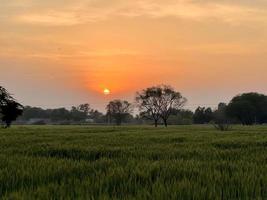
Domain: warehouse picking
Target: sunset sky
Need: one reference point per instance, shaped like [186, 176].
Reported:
[57, 53]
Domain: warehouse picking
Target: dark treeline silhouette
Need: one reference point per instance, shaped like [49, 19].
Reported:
[157, 105]
[80, 114]
[247, 109]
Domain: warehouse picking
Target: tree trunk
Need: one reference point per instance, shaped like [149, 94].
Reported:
[118, 121]
[156, 123]
[165, 122]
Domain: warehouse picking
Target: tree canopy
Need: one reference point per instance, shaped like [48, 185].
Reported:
[158, 102]
[118, 110]
[249, 108]
[10, 109]
[203, 115]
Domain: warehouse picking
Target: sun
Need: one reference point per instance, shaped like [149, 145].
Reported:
[106, 91]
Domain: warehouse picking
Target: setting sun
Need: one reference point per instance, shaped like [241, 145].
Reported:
[106, 91]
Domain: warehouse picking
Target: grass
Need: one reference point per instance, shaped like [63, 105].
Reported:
[180, 162]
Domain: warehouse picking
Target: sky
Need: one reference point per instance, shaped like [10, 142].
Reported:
[59, 53]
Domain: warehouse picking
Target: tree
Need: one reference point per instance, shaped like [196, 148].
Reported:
[77, 115]
[148, 101]
[170, 100]
[4, 96]
[9, 108]
[59, 114]
[34, 112]
[85, 108]
[157, 103]
[80, 113]
[10, 112]
[220, 119]
[203, 115]
[97, 116]
[118, 110]
[249, 108]
[181, 117]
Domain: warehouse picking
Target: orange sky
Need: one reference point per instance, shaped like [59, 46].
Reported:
[62, 53]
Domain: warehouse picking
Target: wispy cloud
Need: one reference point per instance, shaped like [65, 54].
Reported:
[85, 11]
[51, 18]
[203, 11]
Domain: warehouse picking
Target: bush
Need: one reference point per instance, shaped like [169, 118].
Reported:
[222, 126]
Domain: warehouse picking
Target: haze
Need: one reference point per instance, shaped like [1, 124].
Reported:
[62, 53]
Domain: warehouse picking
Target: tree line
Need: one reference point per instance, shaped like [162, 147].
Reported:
[76, 114]
[158, 105]
[245, 109]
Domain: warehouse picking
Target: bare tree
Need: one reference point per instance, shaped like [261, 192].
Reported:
[157, 102]
[118, 110]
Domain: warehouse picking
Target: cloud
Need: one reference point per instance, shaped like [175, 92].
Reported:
[51, 18]
[194, 11]
[86, 11]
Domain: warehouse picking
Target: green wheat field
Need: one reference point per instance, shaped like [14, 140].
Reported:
[133, 162]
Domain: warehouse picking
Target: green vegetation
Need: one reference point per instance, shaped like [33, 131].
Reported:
[181, 162]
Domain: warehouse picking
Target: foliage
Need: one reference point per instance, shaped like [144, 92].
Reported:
[10, 112]
[34, 112]
[86, 162]
[160, 104]
[118, 110]
[58, 115]
[77, 115]
[97, 116]
[157, 102]
[9, 108]
[249, 108]
[203, 115]
[220, 119]
[181, 117]
[84, 108]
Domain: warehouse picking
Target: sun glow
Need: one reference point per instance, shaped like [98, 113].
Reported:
[106, 91]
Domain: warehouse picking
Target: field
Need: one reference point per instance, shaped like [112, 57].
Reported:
[180, 162]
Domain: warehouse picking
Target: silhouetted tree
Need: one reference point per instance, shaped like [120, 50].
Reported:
[221, 121]
[148, 101]
[4, 96]
[157, 103]
[85, 108]
[59, 114]
[181, 117]
[34, 112]
[118, 110]
[97, 116]
[10, 112]
[80, 113]
[77, 115]
[170, 99]
[202, 115]
[9, 108]
[249, 108]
